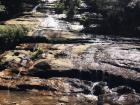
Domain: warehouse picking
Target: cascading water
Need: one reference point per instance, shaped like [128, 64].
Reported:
[34, 10]
[83, 79]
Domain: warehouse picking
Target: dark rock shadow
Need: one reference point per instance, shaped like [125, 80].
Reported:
[89, 75]
[30, 87]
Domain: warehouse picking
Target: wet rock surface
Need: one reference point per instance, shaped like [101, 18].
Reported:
[105, 72]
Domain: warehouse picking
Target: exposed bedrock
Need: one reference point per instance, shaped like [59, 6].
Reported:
[116, 64]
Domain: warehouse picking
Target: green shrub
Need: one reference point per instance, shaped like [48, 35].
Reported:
[11, 31]
[37, 53]
[69, 6]
[10, 35]
[119, 15]
[72, 6]
[60, 7]
[14, 8]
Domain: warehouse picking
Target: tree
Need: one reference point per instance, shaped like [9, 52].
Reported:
[15, 7]
[119, 15]
[72, 6]
[2, 7]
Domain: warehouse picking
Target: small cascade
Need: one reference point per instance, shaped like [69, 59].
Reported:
[35, 8]
[9, 84]
[68, 70]
[92, 87]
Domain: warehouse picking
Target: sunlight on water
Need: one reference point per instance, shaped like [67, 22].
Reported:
[50, 22]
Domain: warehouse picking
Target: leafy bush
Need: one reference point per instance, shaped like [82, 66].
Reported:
[10, 35]
[60, 7]
[70, 6]
[12, 31]
[119, 15]
[14, 8]
[37, 53]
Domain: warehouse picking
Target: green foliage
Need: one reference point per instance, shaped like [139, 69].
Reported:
[36, 54]
[60, 7]
[14, 8]
[10, 35]
[119, 14]
[12, 31]
[70, 6]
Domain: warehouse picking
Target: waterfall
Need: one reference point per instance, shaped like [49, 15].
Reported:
[35, 8]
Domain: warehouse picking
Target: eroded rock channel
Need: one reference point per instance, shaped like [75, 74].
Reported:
[104, 72]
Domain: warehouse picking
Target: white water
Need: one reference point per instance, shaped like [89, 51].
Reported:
[50, 22]
[51, 1]
[35, 8]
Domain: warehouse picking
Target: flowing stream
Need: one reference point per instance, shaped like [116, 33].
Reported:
[75, 74]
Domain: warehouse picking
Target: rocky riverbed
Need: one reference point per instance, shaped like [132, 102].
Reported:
[104, 72]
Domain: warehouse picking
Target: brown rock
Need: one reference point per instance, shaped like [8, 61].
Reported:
[64, 99]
